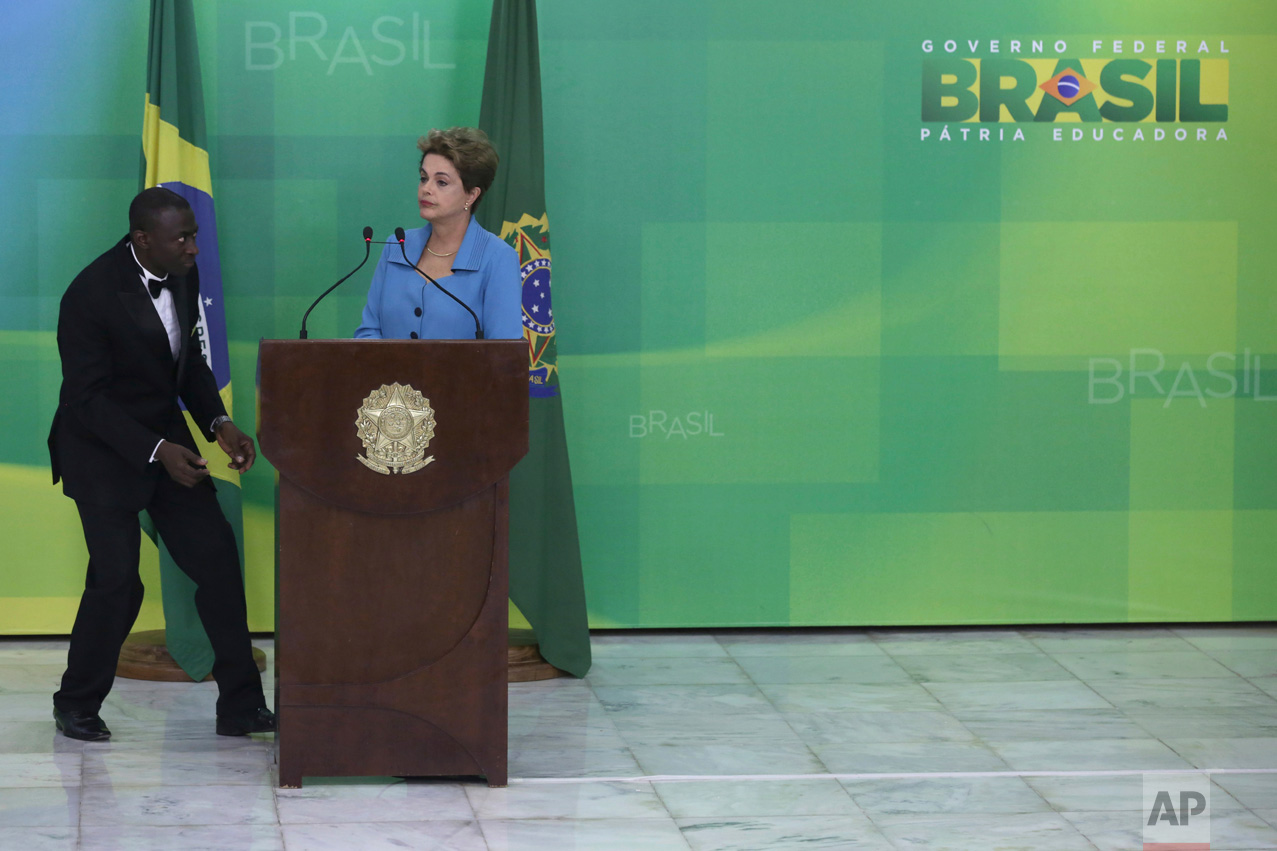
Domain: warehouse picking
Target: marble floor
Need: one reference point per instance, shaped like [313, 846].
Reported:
[708, 741]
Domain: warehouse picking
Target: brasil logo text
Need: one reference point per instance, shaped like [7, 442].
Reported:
[1166, 91]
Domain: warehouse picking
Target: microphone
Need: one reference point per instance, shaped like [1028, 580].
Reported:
[478, 330]
[367, 251]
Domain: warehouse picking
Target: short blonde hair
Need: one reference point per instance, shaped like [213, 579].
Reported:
[469, 151]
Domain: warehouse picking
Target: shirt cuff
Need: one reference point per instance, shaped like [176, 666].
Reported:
[153, 451]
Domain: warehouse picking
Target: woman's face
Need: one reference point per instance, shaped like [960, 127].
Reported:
[440, 193]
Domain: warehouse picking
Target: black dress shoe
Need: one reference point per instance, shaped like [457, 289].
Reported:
[258, 721]
[85, 726]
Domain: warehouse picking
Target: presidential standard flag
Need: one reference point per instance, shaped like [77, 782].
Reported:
[545, 555]
[175, 156]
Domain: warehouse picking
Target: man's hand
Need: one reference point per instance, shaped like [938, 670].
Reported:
[183, 466]
[237, 445]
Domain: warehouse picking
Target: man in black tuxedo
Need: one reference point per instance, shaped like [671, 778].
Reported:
[120, 444]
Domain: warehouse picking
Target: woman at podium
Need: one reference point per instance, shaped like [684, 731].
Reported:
[479, 283]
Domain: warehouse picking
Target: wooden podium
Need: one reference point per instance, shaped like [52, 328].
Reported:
[392, 585]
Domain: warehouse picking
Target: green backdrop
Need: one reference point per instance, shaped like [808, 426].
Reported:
[823, 361]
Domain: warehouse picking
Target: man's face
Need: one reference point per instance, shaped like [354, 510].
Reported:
[169, 246]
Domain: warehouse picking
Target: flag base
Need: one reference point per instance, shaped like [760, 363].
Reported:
[524, 662]
[144, 656]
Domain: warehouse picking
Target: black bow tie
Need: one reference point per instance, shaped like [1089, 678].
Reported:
[155, 286]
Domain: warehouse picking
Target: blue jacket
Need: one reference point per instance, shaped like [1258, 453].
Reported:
[485, 275]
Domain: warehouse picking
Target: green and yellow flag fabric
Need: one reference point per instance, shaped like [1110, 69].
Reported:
[545, 554]
[175, 156]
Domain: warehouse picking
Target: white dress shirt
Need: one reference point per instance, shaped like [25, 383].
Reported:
[168, 315]
[163, 306]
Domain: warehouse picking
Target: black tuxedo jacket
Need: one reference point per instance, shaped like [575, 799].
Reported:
[121, 385]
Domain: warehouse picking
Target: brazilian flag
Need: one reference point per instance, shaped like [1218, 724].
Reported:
[175, 156]
[545, 554]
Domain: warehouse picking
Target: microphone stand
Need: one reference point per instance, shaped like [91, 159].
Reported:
[367, 251]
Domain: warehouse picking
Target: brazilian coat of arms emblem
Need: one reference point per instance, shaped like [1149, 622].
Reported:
[530, 238]
[396, 424]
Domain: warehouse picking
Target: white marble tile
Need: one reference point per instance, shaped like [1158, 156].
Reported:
[1227, 753]
[667, 649]
[1248, 663]
[783, 756]
[1220, 722]
[175, 765]
[40, 806]
[672, 728]
[1252, 639]
[832, 728]
[127, 732]
[959, 698]
[27, 706]
[1227, 629]
[162, 701]
[14, 653]
[40, 769]
[1114, 632]
[1157, 694]
[567, 726]
[586, 762]
[824, 669]
[344, 803]
[575, 697]
[805, 642]
[556, 706]
[969, 832]
[1089, 641]
[1095, 755]
[567, 801]
[1156, 665]
[783, 833]
[40, 838]
[18, 643]
[385, 836]
[847, 697]
[1120, 831]
[970, 795]
[1257, 791]
[1241, 829]
[32, 737]
[683, 699]
[177, 805]
[702, 799]
[646, 643]
[1266, 684]
[954, 642]
[219, 837]
[1106, 793]
[902, 757]
[1052, 725]
[27, 677]
[987, 668]
[561, 736]
[647, 834]
[1269, 816]
[666, 671]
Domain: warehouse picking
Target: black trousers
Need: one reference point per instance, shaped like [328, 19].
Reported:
[203, 545]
